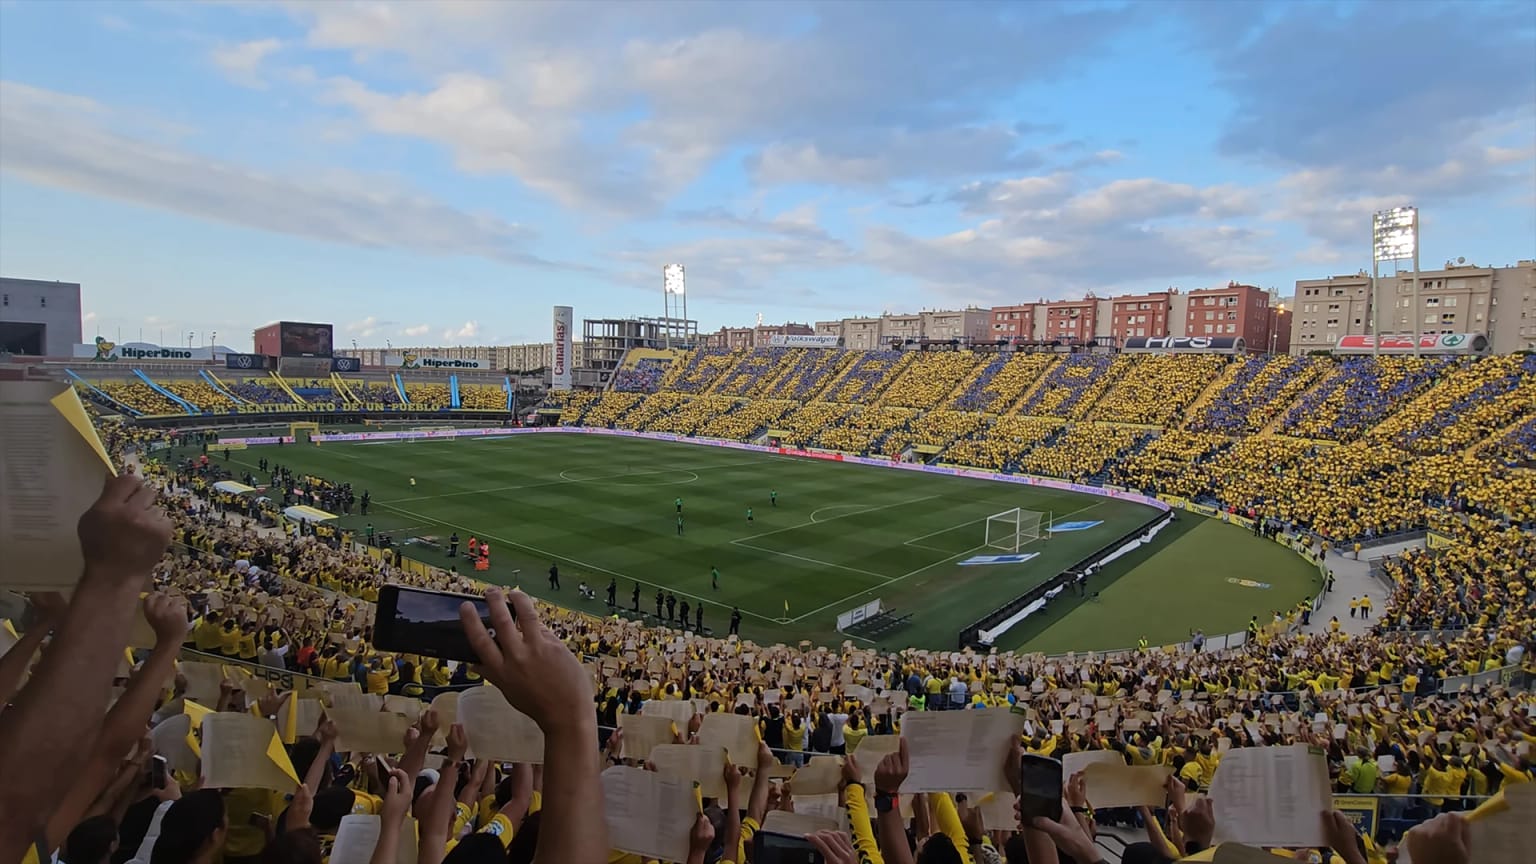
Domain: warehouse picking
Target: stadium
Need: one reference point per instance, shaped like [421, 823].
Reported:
[470, 557]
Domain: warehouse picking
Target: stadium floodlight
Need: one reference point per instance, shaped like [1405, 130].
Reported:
[674, 297]
[1394, 237]
[1012, 529]
[1395, 234]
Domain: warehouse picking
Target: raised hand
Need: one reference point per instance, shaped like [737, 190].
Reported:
[167, 616]
[458, 743]
[892, 770]
[303, 804]
[535, 671]
[125, 533]
[834, 846]
[1445, 839]
[1341, 836]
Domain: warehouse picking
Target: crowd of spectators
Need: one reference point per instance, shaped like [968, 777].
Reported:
[1002, 382]
[1158, 389]
[1083, 451]
[867, 376]
[611, 406]
[1465, 408]
[1517, 448]
[650, 409]
[806, 421]
[1072, 382]
[139, 397]
[200, 393]
[248, 599]
[868, 429]
[747, 419]
[260, 391]
[1360, 392]
[1256, 389]
[1000, 445]
[703, 368]
[939, 427]
[482, 397]
[930, 378]
[756, 371]
[643, 377]
[808, 372]
[430, 395]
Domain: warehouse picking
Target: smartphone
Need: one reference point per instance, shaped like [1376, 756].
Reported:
[418, 621]
[770, 848]
[1039, 787]
[157, 772]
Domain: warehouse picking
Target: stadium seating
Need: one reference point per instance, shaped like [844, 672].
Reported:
[804, 423]
[938, 428]
[755, 371]
[1083, 452]
[428, 395]
[807, 373]
[1466, 407]
[871, 429]
[691, 415]
[140, 397]
[1517, 447]
[1157, 389]
[650, 409]
[999, 446]
[867, 376]
[930, 378]
[310, 611]
[1255, 390]
[574, 405]
[644, 377]
[199, 393]
[1360, 392]
[610, 407]
[747, 419]
[703, 368]
[259, 391]
[1072, 383]
[1002, 381]
[482, 397]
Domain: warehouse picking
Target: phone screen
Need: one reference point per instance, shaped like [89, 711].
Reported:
[157, 772]
[1039, 787]
[770, 848]
[416, 621]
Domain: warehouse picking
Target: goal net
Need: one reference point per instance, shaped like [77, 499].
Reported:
[1012, 529]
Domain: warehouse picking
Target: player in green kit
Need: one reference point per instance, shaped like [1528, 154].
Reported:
[679, 524]
[714, 577]
[773, 498]
[749, 514]
[679, 503]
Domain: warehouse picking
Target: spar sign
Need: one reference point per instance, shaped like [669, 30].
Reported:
[560, 371]
[1439, 343]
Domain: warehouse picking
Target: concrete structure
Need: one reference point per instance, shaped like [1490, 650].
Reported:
[1499, 302]
[761, 336]
[829, 328]
[518, 358]
[39, 317]
[861, 333]
[1013, 322]
[1140, 315]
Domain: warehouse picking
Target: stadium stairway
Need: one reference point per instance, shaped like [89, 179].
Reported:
[212, 381]
[150, 383]
[1030, 391]
[283, 386]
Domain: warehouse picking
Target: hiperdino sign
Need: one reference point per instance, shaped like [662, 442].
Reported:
[414, 360]
[104, 351]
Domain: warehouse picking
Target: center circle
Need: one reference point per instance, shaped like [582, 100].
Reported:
[659, 477]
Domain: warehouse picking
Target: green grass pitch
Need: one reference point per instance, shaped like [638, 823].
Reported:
[603, 507]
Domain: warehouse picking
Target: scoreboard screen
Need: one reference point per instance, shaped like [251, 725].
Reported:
[305, 340]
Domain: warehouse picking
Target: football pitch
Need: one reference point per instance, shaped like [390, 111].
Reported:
[840, 535]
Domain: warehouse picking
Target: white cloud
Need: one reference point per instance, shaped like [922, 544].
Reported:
[366, 328]
[415, 330]
[241, 62]
[64, 141]
[466, 333]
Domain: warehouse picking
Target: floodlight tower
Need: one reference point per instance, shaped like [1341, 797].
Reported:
[674, 296]
[1394, 237]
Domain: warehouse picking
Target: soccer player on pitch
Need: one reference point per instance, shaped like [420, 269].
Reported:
[679, 503]
[749, 514]
[679, 524]
[714, 577]
[773, 497]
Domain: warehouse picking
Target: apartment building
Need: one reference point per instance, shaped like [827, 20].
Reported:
[1013, 322]
[1499, 302]
[1072, 319]
[1233, 311]
[1140, 315]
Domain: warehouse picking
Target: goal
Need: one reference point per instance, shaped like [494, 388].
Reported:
[1012, 529]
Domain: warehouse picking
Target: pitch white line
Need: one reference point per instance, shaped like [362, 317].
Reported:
[924, 568]
[862, 508]
[913, 541]
[833, 518]
[578, 562]
[881, 576]
[564, 480]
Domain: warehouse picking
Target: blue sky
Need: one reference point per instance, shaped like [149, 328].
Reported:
[443, 173]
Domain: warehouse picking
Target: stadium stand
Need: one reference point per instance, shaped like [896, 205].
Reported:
[200, 393]
[1002, 382]
[930, 379]
[1158, 389]
[430, 395]
[240, 614]
[482, 397]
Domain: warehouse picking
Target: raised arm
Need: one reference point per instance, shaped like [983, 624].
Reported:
[48, 733]
[50, 608]
[540, 676]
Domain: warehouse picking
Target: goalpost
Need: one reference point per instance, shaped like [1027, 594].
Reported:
[1012, 529]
